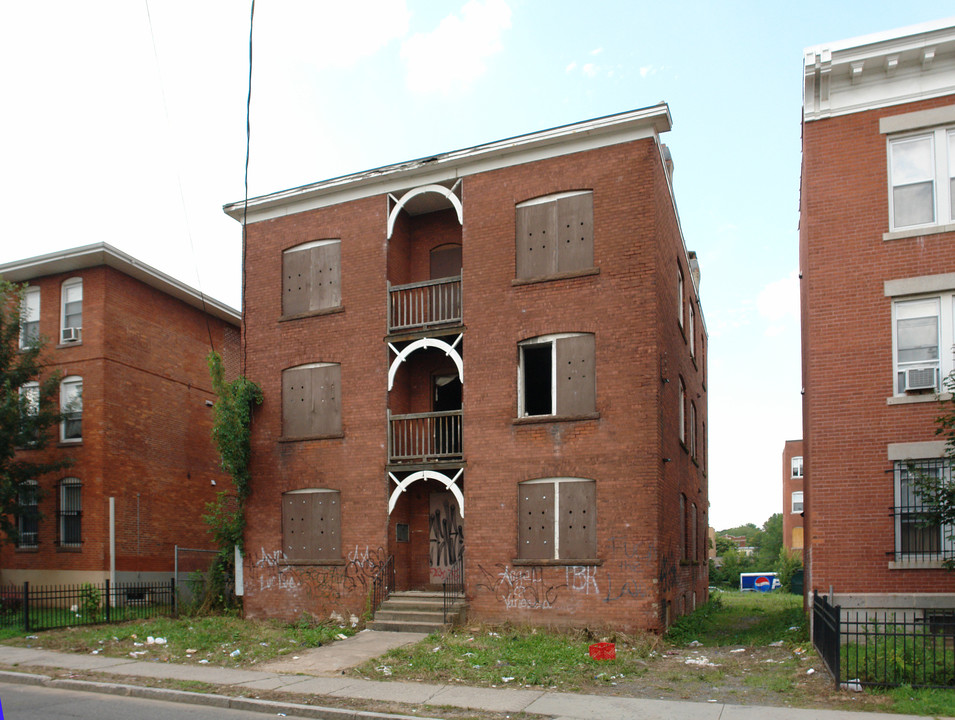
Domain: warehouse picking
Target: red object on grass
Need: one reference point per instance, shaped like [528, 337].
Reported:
[603, 651]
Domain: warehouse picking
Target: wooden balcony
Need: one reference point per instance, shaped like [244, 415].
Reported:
[423, 305]
[424, 437]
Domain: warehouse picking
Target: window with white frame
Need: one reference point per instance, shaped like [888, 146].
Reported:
[691, 329]
[28, 517]
[557, 519]
[679, 294]
[922, 338]
[692, 430]
[922, 179]
[71, 310]
[681, 408]
[71, 408]
[30, 318]
[918, 535]
[556, 375]
[29, 409]
[796, 465]
[70, 512]
[797, 502]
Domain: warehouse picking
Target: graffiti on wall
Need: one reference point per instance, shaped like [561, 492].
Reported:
[524, 588]
[445, 535]
[272, 571]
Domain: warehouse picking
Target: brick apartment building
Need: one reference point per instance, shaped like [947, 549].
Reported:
[877, 225]
[793, 496]
[131, 346]
[496, 353]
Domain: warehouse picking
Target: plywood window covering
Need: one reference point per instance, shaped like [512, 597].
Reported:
[311, 275]
[555, 234]
[311, 401]
[557, 375]
[311, 524]
[557, 519]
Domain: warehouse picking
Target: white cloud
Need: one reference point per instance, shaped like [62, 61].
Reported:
[590, 70]
[778, 302]
[454, 54]
[597, 51]
[329, 35]
[648, 70]
[571, 67]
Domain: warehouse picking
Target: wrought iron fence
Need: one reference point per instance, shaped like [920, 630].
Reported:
[867, 647]
[453, 588]
[423, 437]
[423, 304]
[383, 584]
[54, 606]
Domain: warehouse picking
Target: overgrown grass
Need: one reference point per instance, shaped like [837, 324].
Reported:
[748, 619]
[513, 656]
[938, 703]
[216, 639]
[892, 655]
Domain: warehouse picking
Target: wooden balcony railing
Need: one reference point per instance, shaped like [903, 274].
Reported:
[424, 437]
[424, 304]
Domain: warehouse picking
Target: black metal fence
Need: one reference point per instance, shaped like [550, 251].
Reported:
[867, 647]
[453, 588]
[383, 584]
[54, 606]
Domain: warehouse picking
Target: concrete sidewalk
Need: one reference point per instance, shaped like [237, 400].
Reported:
[420, 697]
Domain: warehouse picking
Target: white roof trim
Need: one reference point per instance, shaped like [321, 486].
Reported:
[88, 256]
[600, 132]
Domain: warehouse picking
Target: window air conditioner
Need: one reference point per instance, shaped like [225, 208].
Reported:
[919, 379]
[70, 335]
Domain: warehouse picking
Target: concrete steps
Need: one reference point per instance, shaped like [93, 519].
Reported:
[417, 611]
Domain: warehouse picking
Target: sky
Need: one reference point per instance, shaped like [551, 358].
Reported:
[124, 121]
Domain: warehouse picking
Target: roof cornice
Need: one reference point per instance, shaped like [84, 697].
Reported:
[88, 256]
[879, 70]
[563, 140]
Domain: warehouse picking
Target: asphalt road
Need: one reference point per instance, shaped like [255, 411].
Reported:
[29, 702]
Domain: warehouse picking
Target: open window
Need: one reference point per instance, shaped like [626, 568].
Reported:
[556, 376]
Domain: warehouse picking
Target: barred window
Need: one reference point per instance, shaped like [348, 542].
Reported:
[28, 518]
[70, 512]
[917, 534]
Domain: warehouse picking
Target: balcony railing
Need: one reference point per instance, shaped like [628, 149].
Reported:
[424, 437]
[424, 304]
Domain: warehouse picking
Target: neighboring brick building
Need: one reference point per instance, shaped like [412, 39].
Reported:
[793, 496]
[497, 353]
[131, 345]
[877, 225]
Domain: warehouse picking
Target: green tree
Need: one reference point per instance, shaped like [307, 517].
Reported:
[232, 425]
[770, 540]
[27, 412]
[938, 498]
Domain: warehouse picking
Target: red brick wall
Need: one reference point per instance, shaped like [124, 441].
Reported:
[847, 355]
[792, 448]
[146, 425]
[632, 450]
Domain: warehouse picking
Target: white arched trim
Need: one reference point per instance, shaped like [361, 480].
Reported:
[449, 483]
[440, 189]
[423, 343]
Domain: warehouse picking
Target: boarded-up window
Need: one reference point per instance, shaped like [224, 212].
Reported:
[557, 519]
[557, 375]
[311, 276]
[555, 234]
[311, 400]
[311, 524]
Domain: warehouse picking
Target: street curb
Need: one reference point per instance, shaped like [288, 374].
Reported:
[270, 707]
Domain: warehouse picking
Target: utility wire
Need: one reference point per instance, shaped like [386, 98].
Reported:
[245, 205]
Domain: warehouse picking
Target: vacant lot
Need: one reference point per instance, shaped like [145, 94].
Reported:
[746, 649]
